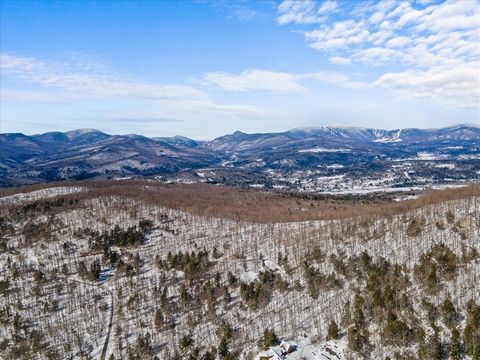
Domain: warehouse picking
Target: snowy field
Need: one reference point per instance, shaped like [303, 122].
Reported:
[41, 194]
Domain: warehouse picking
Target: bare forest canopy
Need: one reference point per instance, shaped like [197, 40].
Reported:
[252, 205]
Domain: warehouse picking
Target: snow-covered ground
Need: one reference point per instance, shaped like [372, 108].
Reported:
[324, 150]
[305, 350]
[71, 310]
[42, 194]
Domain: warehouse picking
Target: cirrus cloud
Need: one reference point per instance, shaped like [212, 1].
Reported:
[84, 80]
[255, 80]
[276, 81]
[78, 82]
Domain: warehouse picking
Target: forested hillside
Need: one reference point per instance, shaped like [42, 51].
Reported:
[92, 273]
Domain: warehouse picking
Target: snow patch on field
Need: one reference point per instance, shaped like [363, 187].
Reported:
[42, 194]
[445, 166]
[329, 350]
[426, 156]
[323, 150]
[30, 260]
[335, 166]
[386, 140]
[249, 276]
[329, 178]
[405, 197]
[447, 186]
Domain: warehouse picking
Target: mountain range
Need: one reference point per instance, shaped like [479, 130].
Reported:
[306, 159]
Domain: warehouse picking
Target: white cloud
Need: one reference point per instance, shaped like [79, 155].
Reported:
[380, 37]
[340, 60]
[341, 34]
[409, 16]
[299, 12]
[458, 86]
[84, 80]
[385, 5]
[32, 96]
[405, 27]
[255, 80]
[377, 56]
[334, 78]
[279, 82]
[375, 18]
[419, 38]
[386, 25]
[327, 7]
[78, 82]
[400, 9]
[304, 11]
[398, 41]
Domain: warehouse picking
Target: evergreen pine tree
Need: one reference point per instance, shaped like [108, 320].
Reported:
[333, 330]
[455, 352]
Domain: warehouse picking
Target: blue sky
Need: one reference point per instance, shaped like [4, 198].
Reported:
[203, 69]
